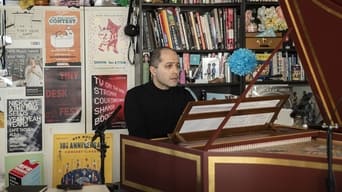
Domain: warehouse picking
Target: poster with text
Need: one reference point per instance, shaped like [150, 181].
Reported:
[25, 27]
[63, 94]
[24, 125]
[108, 96]
[107, 43]
[25, 69]
[77, 159]
[62, 37]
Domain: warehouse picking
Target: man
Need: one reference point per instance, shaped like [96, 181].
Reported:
[153, 109]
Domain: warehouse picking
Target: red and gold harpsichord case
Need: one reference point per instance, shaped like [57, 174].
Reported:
[236, 145]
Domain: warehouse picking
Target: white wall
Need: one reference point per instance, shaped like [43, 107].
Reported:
[64, 128]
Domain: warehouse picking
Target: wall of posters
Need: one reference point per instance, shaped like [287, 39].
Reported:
[77, 160]
[75, 56]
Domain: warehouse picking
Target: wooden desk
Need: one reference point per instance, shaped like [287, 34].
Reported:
[88, 188]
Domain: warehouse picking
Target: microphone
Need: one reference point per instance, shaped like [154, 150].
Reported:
[102, 127]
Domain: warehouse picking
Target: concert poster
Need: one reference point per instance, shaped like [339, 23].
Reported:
[24, 125]
[62, 37]
[108, 96]
[77, 159]
[107, 43]
[63, 94]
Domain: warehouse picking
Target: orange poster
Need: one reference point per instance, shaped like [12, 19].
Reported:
[62, 38]
[77, 159]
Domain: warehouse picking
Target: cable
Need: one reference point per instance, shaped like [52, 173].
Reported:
[130, 51]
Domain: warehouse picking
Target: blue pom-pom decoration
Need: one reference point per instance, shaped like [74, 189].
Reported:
[242, 61]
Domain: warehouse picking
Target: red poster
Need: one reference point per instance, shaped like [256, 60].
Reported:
[63, 94]
[108, 96]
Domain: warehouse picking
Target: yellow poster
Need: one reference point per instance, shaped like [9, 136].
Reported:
[77, 160]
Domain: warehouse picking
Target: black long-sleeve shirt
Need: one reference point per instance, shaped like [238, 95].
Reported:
[151, 112]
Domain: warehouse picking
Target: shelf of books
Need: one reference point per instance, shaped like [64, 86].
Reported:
[205, 34]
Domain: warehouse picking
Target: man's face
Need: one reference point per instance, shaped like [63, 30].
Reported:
[166, 74]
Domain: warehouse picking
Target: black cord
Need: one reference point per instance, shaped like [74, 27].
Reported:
[3, 40]
[131, 48]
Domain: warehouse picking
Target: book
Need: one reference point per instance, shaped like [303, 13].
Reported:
[174, 32]
[230, 29]
[195, 59]
[194, 30]
[162, 33]
[165, 26]
[180, 22]
[216, 24]
[261, 58]
[188, 31]
[147, 37]
[186, 62]
[296, 72]
[146, 64]
[206, 31]
[200, 30]
[27, 188]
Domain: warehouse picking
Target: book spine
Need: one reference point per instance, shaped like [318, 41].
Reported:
[213, 32]
[217, 27]
[180, 24]
[200, 28]
[206, 18]
[175, 38]
[186, 40]
[162, 34]
[165, 26]
[230, 26]
[187, 25]
[147, 35]
[154, 29]
[194, 31]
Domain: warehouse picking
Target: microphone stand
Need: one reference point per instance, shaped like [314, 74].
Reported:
[331, 177]
[103, 151]
[103, 146]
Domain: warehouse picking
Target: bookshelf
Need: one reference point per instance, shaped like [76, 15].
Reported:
[198, 31]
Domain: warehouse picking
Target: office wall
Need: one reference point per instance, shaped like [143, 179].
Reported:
[94, 58]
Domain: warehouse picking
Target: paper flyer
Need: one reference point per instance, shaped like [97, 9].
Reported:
[108, 93]
[24, 125]
[76, 159]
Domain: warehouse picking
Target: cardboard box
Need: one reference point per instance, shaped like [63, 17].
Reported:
[254, 42]
[26, 173]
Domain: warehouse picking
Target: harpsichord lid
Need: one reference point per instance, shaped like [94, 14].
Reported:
[317, 33]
